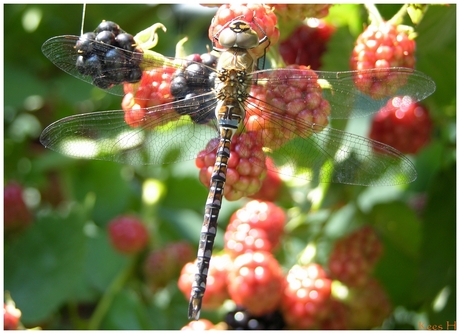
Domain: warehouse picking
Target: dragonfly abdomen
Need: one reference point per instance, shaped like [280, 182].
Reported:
[212, 208]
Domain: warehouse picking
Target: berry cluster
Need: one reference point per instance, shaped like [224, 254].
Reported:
[128, 234]
[354, 256]
[248, 275]
[195, 78]
[402, 124]
[109, 55]
[307, 43]
[381, 46]
[246, 166]
[16, 214]
[260, 17]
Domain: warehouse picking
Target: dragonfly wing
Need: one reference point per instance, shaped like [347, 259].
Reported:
[160, 135]
[310, 151]
[340, 90]
[60, 50]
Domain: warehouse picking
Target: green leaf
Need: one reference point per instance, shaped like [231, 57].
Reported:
[126, 312]
[400, 232]
[438, 251]
[44, 265]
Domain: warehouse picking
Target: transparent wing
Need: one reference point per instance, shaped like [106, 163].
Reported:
[160, 135]
[341, 90]
[310, 151]
[61, 51]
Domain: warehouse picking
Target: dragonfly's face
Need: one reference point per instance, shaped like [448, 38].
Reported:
[240, 35]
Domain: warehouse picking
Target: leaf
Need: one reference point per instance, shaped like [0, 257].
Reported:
[44, 265]
[438, 251]
[400, 232]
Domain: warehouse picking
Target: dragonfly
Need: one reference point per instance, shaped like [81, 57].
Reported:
[223, 107]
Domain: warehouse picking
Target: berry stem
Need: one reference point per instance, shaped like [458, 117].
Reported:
[106, 300]
[399, 16]
[374, 15]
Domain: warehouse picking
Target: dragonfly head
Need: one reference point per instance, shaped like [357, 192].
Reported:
[238, 34]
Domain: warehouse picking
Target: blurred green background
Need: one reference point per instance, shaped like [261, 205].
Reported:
[59, 268]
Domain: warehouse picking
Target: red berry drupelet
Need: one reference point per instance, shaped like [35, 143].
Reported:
[402, 124]
[353, 257]
[260, 17]
[306, 298]
[380, 46]
[256, 282]
[16, 215]
[246, 166]
[216, 284]
[128, 234]
[307, 44]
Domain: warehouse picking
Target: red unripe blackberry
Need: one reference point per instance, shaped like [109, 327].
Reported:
[402, 124]
[258, 16]
[381, 46]
[152, 90]
[128, 234]
[16, 214]
[297, 105]
[216, 284]
[336, 317]
[164, 264]
[260, 215]
[11, 316]
[246, 166]
[307, 43]
[305, 302]
[256, 282]
[243, 238]
[354, 256]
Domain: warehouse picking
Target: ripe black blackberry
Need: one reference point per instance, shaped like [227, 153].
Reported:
[109, 55]
[195, 78]
[241, 319]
